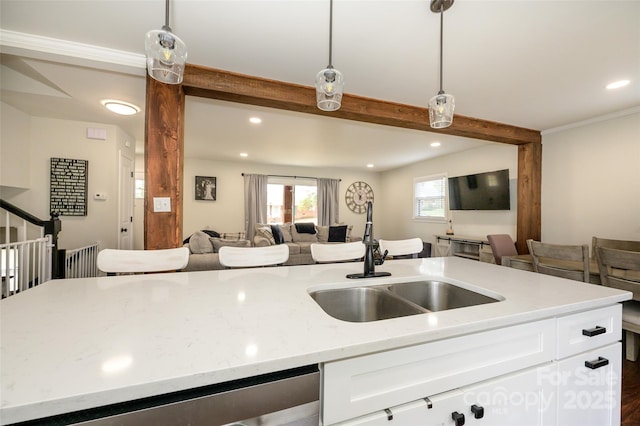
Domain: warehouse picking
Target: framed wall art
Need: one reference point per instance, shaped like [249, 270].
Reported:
[205, 188]
[68, 186]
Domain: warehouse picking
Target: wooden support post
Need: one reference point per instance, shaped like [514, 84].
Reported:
[164, 163]
[529, 194]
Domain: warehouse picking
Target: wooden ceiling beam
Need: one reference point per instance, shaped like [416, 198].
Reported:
[224, 85]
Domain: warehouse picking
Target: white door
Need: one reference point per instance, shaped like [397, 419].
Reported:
[125, 211]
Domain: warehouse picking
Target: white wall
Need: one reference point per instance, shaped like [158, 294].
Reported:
[591, 181]
[226, 214]
[14, 148]
[397, 190]
[67, 139]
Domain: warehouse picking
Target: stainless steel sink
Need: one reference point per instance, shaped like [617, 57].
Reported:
[438, 295]
[363, 304]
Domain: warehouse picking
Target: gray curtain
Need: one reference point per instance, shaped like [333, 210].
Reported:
[328, 203]
[255, 202]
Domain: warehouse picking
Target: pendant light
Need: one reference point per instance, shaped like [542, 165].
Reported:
[329, 81]
[166, 53]
[441, 106]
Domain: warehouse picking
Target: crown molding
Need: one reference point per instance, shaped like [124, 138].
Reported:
[598, 119]
[51, 49]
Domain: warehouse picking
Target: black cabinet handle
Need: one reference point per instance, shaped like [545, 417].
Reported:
[594, 331]
[600, 362]
[458, 418]
[478, 411]
[389, 414]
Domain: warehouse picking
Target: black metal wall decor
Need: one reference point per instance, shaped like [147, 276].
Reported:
[68, 190]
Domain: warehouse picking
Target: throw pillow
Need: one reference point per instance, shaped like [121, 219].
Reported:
[265, 232]
[221, 242]
[236, 236]
[305, 228]
[286, 232]
[206, 231]
[338, 234]
[298, 237]
[199, 243]
[322, 232]
[278, 236]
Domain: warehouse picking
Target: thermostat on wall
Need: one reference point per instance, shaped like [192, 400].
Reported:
[100, 196]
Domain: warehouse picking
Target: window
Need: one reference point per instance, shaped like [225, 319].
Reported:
[292, 200]
[139, 185]
[430, 197]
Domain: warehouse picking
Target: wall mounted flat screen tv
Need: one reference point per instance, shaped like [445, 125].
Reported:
[480, 191]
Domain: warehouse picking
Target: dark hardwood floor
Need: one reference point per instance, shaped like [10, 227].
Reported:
[630, 393]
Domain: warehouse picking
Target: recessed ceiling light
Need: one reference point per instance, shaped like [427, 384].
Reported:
[120, 107]
[618, 84]
[435, 144]
[244, 154]
[255, 120]
[370, 165]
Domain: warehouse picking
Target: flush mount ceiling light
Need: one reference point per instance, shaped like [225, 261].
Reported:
[329, 81]
[255, 120]
[618, 84]
[441, 106]
[166, 53]
[120, 107]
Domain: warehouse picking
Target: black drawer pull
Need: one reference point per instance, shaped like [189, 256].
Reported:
[600, 362]
[594, 331]
[389, 414]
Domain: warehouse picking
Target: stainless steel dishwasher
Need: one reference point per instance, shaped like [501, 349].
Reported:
[288, 397]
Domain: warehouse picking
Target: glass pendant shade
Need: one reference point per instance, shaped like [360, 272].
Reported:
[329, 86]
[441, 110]
[166, 56]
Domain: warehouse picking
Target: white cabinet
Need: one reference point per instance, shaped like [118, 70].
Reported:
[563, 371]
[370, 383]
[512, 399]
[520, 398]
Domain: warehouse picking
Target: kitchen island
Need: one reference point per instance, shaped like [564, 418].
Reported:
[70, 345]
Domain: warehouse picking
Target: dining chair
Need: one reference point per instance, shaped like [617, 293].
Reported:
[621, 269]
[401, 248]
[501, 245]
[627, 245]
[343, 252]
[566, 261]
[250, 257]
[114, 261]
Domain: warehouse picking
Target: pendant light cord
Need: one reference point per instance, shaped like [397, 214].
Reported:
[441, 25]
[330, 30]
[166, 14]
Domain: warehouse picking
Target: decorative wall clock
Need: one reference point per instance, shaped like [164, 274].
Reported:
[357, 195]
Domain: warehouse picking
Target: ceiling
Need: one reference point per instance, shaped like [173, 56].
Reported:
[534, 64]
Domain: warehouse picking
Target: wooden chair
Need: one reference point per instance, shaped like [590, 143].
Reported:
[621, 269]
[627, 245]
[401, 248]
[501, 245]
[342, 252]
[566, 261]
[114, 261]
[250, 257]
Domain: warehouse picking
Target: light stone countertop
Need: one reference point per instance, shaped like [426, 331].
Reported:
[74, 344]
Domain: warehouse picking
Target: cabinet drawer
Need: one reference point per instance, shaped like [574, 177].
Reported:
[362, 385]
[587, 330]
